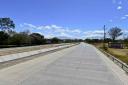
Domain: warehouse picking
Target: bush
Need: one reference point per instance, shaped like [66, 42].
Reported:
[37, 39]
[3, 38]
[126, 45]
[20, 39]
[55, 40]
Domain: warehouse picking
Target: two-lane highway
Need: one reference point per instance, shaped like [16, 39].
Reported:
[78, 65]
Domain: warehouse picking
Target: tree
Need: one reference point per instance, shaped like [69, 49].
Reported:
[20, 39]
[126, 40]
[3, 37]
[11, 33]
[93, 40]
[6, 24]
[68, 40]
[55, 40]
[115, 32]
[37, 38]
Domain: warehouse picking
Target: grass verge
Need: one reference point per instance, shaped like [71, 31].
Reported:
[117, 53]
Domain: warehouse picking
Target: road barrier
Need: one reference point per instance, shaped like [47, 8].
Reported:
[121, 64]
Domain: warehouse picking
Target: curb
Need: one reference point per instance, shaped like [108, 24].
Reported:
[30, 53]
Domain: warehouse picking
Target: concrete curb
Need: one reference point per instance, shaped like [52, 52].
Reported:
[27, 54]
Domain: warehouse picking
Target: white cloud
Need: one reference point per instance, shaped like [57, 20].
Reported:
[94, 34]
[125, 31]
[65, 35]
[50, 36]
[43, 27]
[123, 18]
[29, 25]
[126, 15]
[57, 28]
[119, 7]
[52, 30]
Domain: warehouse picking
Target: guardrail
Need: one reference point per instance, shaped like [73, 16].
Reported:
[121, 64]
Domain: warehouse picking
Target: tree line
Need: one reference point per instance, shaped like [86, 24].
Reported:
[9, 37]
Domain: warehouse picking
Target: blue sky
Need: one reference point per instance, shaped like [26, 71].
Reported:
[67, 18]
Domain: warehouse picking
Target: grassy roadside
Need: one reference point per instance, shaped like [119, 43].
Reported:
[121, 54]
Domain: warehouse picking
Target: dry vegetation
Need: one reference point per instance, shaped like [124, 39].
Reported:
[121, 54]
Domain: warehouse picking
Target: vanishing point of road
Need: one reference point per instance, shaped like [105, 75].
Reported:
[78, 65]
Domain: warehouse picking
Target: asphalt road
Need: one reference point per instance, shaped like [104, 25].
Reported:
[78, 65]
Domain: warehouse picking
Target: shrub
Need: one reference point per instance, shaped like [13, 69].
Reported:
[3, 38]
[20, 39]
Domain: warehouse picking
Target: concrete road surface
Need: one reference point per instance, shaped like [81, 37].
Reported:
[78, 65]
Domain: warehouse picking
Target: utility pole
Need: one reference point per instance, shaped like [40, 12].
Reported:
[104, 36]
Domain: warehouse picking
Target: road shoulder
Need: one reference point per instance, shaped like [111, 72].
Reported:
[120, 73]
